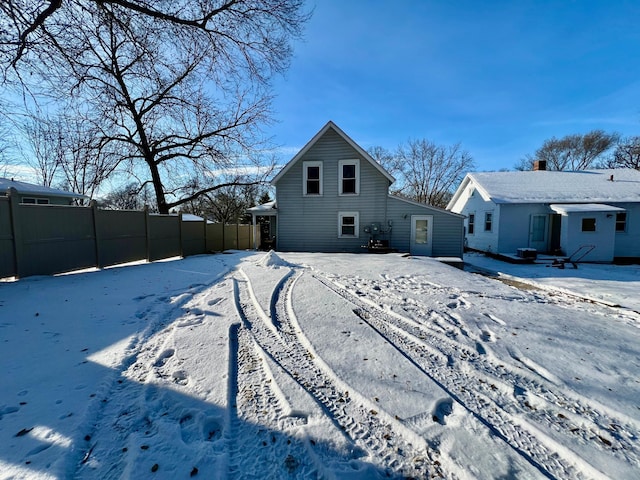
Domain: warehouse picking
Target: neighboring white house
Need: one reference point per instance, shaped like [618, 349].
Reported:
[37, 194]
[553, 212]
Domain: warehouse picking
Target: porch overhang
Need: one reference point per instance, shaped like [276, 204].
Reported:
[269, 209]
[569, 208]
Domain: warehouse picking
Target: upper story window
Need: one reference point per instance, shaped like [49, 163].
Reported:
[349, 177]
[621, 222]
[472, 223]
[312, 182]
[488, 221]
[588, 224]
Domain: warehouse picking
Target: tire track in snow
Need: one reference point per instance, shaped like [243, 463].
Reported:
[372, 431]
[259, 445]
[565, 412]
[434, 356]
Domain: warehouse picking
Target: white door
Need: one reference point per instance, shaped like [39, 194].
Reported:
[421, 229]
[538, 233]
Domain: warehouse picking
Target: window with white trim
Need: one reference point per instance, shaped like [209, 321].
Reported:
[621, 222]
[488, 221]
[312, 178]
[348, 224]
[472, 223]
[349, 177]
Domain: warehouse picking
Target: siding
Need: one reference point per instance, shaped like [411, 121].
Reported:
[311, 223]
[515, 224]
[481, 240]
[447, 227]
[628, 243]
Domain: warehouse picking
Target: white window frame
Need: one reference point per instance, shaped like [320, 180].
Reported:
[356, 221]
[305, 169]
[488, 218]
[621, 222]
[473, 223]
[341, 164]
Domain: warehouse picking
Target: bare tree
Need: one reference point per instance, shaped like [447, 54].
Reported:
[227, 204]
[626, 154]
[572, 152]
[130, 196]
[65, 151]
[424, 171]
[175, 89]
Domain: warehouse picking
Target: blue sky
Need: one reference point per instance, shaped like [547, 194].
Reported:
[499, 77]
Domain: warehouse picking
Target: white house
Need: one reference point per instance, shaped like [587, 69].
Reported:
[552, 212]
[38, 194]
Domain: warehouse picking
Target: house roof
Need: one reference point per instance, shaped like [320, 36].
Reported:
[31, 189]
[593, 186]
[346, 137]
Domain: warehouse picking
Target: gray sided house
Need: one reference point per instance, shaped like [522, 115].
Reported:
[333, 197]
[553, 212]
[37, 194]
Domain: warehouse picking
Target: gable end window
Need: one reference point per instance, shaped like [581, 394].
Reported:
[472, 223]
[621, 222]
[488, 221]
[349, 177]
[312, 181]
[348, 225]
[588, 224]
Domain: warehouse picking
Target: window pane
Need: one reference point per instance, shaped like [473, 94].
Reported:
[539, 228]
[348, 221]
[621, 222]
[313, 173]
[349, 186]
[588, 224]
[488, 217]
[348, 171]
[313, 187]
[421, 232]
[348, 230]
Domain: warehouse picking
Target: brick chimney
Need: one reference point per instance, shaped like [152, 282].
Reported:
[539, 165]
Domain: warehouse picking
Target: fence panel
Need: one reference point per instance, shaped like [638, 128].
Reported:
[164, 236]
[193, 238]
[54, 239]
[214, 237]
[7, 254]
[122, 236]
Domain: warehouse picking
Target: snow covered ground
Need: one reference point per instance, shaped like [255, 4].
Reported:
[253, 365]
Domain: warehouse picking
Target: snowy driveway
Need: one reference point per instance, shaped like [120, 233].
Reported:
[311, 365]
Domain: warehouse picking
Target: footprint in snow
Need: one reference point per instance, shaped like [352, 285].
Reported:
[442, 409]
[164, 357]
[480, 349]
[215, 301]
[180, 377]
[495, 319]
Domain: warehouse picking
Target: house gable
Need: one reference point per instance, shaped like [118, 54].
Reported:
[359, 151]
